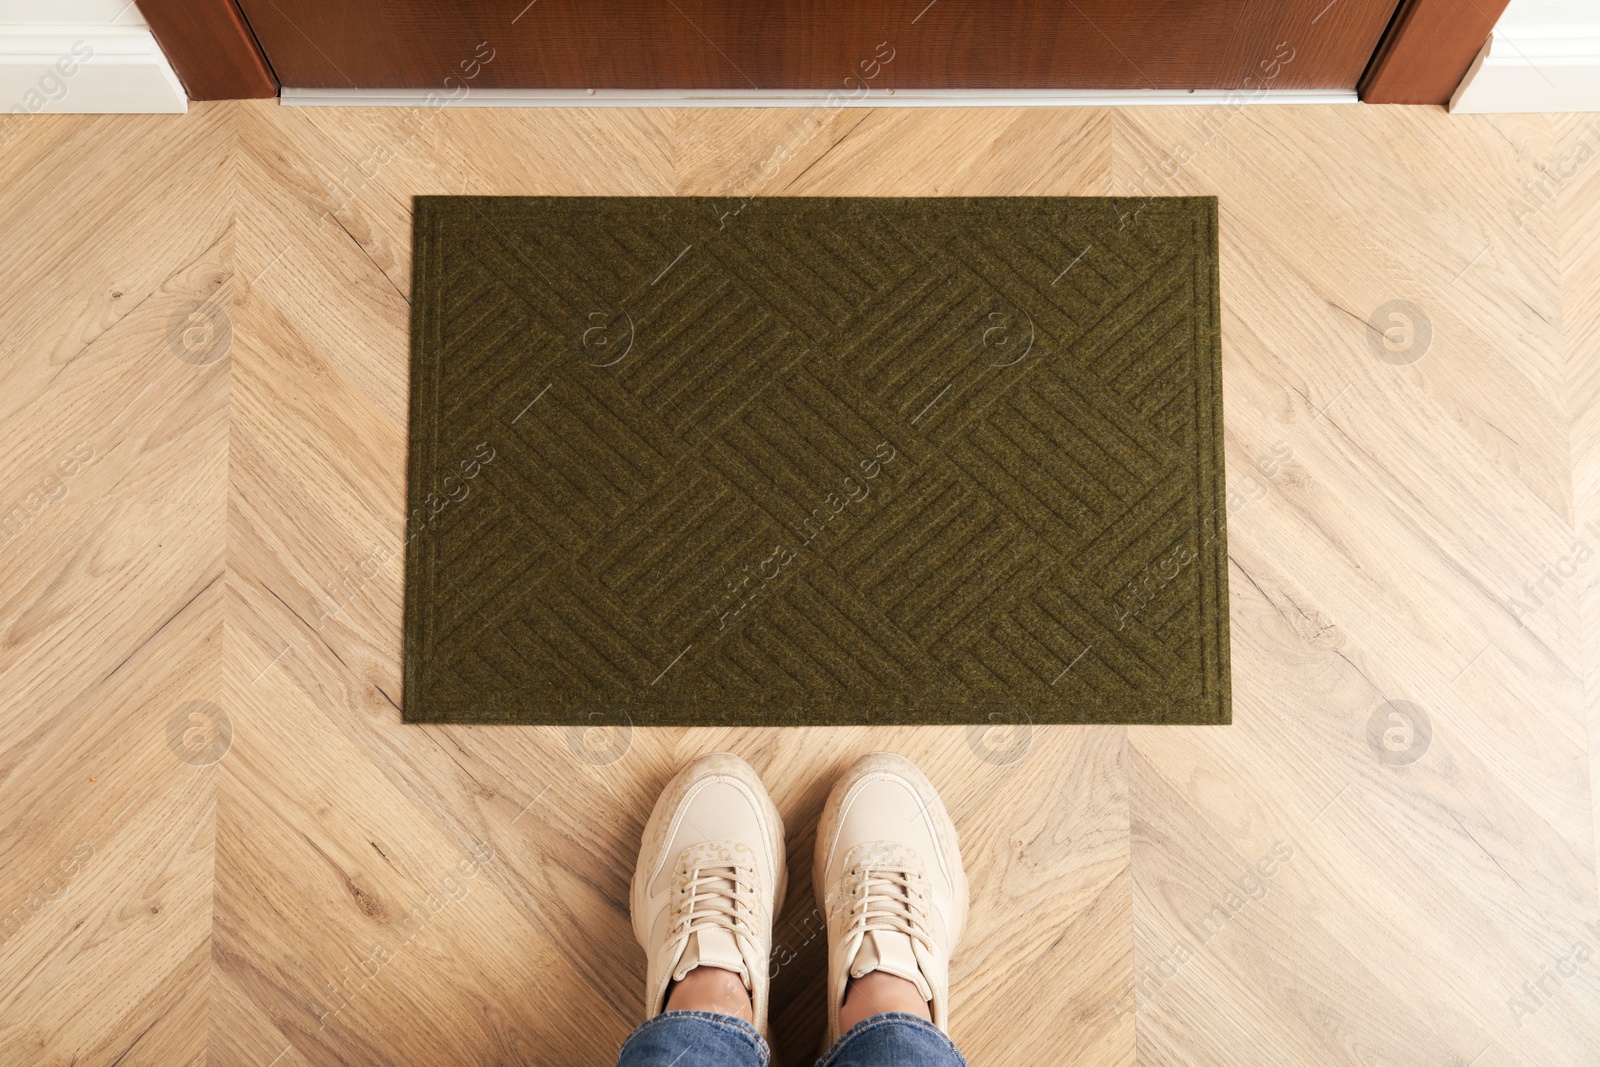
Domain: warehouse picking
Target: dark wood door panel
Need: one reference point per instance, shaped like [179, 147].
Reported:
[819, 44]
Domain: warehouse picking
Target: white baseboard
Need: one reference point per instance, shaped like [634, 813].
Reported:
[801, 98]
[78, 68]
[1534, 68]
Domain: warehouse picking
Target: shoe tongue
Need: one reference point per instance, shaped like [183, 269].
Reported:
[712, 947]
[891, 953]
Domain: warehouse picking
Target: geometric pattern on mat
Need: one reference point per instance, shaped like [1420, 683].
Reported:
[687, 461]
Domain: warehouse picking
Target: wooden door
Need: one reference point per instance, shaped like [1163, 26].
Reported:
[819, 44]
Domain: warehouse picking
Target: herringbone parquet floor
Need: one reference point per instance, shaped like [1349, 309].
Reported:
[220, 845]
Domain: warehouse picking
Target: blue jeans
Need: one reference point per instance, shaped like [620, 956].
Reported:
[705, 1039]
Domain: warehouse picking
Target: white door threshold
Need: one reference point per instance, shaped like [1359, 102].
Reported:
[465, 96]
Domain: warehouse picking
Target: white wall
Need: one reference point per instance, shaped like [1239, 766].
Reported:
[86, 56]
[1549, 12]
[1544, 55]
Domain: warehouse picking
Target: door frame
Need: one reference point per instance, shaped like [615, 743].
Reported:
[1423, 55]
[1429, 47]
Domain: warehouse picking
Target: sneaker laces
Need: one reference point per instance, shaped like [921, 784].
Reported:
[892, 900]
[718, 896]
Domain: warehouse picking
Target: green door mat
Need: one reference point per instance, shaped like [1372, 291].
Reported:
[681, 461]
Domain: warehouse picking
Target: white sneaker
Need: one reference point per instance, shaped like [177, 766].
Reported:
[710, 879]
[889, 879]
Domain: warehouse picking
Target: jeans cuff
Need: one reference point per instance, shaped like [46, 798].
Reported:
[728, 1022]
[889, 1018]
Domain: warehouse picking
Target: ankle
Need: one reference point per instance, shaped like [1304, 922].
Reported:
[877, 993]
[712, 989]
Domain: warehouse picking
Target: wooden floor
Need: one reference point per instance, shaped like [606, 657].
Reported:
[220, 845]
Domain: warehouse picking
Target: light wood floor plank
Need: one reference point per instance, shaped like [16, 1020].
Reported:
[111, 607]
[1573, 197]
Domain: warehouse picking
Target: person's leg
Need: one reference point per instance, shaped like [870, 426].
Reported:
[694, 1039]
[712, 989]
[893, 1040]
[878, 993]
[889, 878]
[710, 878]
